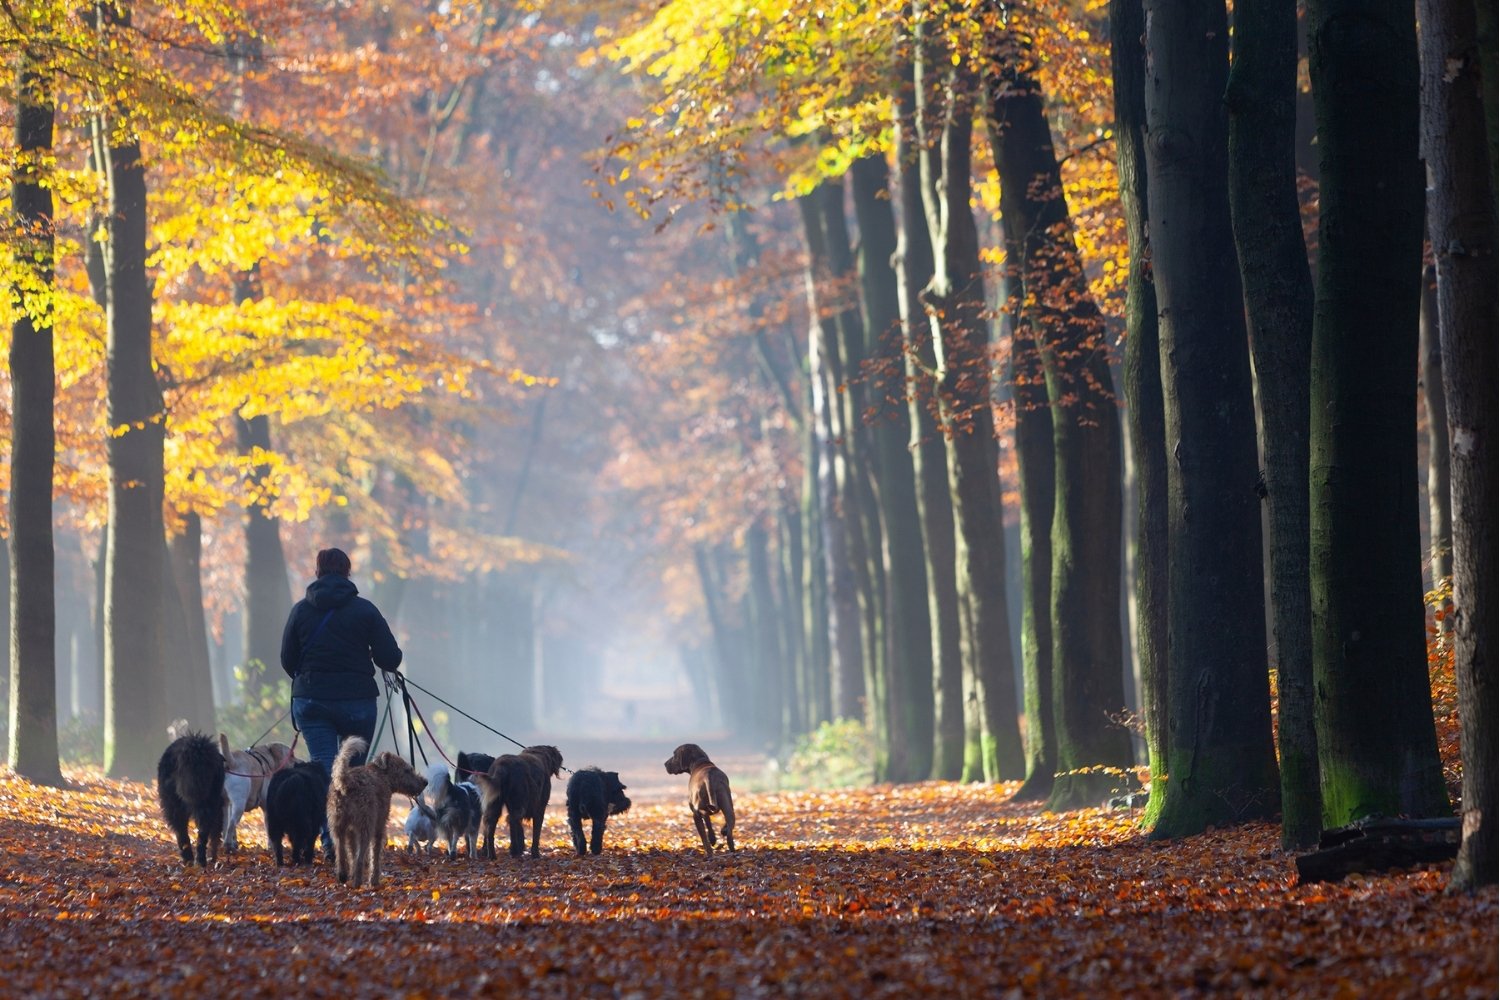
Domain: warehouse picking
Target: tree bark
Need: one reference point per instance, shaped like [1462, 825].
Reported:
[1143, 389]
[1461, 217]
[926, 445]
[186, 566]
[957, 310]
[1087, 684]
[909, 631]
[33, 625]
[1377, 742]
[1439, 481]
[1279, 304]
[135, 696]
[1221, 766]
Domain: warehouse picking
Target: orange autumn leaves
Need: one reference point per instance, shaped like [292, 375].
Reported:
[937, 888]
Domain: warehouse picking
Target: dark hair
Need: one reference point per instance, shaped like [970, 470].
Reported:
[333, 561]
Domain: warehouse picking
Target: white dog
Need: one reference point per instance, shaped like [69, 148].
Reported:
[246, 779]
[421, 826]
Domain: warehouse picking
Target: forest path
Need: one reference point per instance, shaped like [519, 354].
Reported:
[938, 889]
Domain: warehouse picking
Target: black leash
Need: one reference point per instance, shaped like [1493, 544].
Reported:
[272, 726]
[404, 682]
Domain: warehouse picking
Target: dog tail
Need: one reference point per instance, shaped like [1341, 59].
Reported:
[490, 788]
[224, 745]
[200, 774]
[353, 747]
[439, 784]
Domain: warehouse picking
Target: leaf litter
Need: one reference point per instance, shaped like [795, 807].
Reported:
[936, 888]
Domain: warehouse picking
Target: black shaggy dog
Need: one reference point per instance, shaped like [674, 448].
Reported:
[297, 808]
[472, 765]
[190, 786]
[521, 784]
[598, 795]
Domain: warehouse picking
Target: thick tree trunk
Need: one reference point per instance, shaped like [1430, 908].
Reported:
[1439, 482]
[1221, 766]
[1461, 216]
[765, 665]
[817, 616]
[789, 542]
[957, 310]
[186, 566]
[1084, 604]
[909, 632]
[1378, 747]
[1143, 391]
[926, 446]
[1279, 304]
[135, 696]
[31, 637]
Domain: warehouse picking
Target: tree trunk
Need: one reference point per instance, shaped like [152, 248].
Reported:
[926, 446]
[1084, 604]
[1439, 488]
[817, 618]
[1279, 303]
[960, 330]
[1036, 464]
[765, 665]
[909, 631]
[267, 595]
[842, 546]
[135, 711]
[1221, 766]
[186, 568]
[31, 637]
[1461, 217]
[1143, 389]
[1378, 746]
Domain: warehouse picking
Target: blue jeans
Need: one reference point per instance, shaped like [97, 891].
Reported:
[326, 724]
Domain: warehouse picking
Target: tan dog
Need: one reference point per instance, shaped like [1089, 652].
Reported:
[359, 807]
[708, 792]
[247, 775]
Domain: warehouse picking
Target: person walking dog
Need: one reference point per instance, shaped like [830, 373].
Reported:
[333, 641]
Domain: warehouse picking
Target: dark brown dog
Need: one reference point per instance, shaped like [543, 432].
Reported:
[521, 784]
[708, 792]
[359, 807]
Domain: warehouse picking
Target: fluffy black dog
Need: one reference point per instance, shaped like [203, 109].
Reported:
[455, 807]
[190, 786]
[297, 808]
[598, 795]
[471, 765]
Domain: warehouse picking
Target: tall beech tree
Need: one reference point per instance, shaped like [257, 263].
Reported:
[1142, 383]
[1461, 220]
[1377, 741]
[1087, 670]
[33, 663]
[1262, 100]
[947, 101]
[1220, 763]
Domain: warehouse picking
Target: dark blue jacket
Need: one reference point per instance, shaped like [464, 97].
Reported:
[339, 662]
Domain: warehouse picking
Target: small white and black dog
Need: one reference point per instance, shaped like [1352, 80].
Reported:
[421, 827]
[190, 786]
[455, 806]
[296, 807]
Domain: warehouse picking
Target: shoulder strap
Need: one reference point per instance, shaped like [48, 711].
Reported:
[315, 631]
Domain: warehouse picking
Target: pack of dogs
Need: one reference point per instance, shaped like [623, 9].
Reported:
[211, 787]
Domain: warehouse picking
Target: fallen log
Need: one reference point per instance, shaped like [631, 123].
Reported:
[1379, 843]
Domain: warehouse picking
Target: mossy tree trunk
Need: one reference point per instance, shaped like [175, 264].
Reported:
[1060, 316]
[1461, 218]
[1220, 763]
[1279, 303]
[1377, 742]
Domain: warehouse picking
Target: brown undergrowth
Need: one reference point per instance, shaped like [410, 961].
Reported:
[938, 889]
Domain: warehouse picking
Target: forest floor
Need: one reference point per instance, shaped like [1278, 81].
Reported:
[937, 888]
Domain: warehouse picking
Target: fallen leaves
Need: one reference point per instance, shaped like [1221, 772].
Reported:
[935, 888]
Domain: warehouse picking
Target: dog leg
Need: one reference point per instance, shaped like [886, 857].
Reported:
[341, 858]
[575, 827]
[596, 835]
[536, 836]
[517, 835]
[491, 820]
[705, 832]
[377, 847]
[727, 808]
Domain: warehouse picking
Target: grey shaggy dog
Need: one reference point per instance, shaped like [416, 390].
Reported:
[521, 784]
[359, 807]
[190, 786]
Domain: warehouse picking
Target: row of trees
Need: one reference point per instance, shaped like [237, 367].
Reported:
[875, 109]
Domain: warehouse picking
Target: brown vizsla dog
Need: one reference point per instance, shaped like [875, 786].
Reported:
[708, 792]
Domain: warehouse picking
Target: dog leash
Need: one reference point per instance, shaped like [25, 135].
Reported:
[272, 726]
[412, 706]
